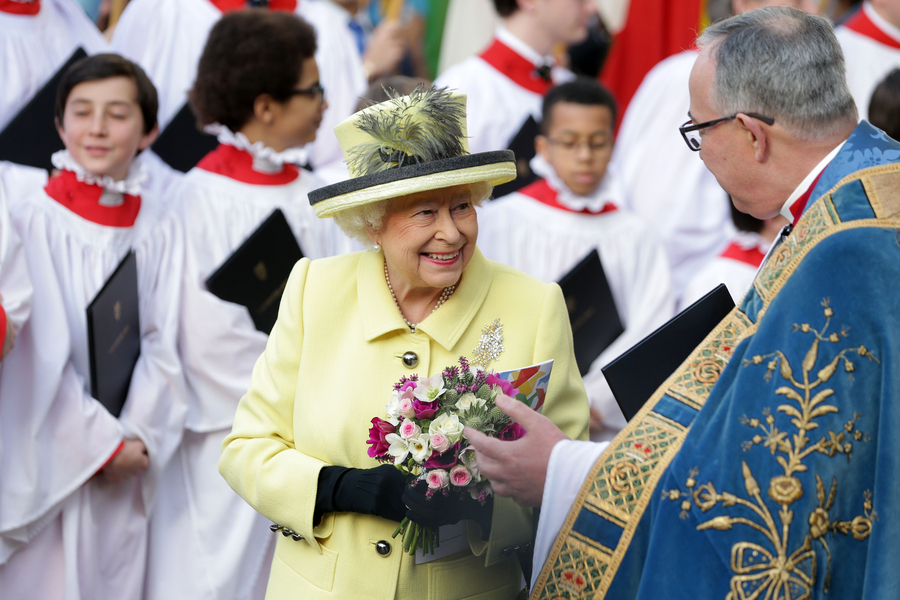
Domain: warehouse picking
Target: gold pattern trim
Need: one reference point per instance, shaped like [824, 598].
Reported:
[883, 191]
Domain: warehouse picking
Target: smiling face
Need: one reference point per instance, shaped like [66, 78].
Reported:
[428, 239]
[102, 126]
[578, 144]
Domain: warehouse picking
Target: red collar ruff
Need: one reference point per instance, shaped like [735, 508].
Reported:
[232, 5]
[751, 256]
[20, 8]
[515, 66]
[542, 192]
[236, 164]
[863, 25]
[83, 199]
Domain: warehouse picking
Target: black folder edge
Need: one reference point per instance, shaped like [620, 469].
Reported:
[211, 280]
[20, 125]
[619, 368]
[571, 275]
[90, 322]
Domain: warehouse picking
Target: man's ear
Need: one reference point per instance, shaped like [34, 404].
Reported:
[541, 145]
[59, 127]
[757, 136]
[149, 138]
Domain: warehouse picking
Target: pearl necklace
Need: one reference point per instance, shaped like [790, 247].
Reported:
[445, 295]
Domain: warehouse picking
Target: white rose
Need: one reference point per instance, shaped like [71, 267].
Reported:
[467, 401]
[449, 425]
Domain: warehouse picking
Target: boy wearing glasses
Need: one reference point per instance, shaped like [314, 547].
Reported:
[547, 227]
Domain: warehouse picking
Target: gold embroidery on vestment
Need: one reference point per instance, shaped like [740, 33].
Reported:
[776, 571]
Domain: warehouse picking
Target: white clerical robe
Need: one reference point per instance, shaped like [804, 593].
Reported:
[871, 48]
[735, 267]
[206, 542]
[665, 183]
[498, 103]
[546, 241]
[167, 37]
[65, 532]
[34, 47]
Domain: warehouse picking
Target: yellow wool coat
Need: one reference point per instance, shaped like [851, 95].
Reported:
[328, 368]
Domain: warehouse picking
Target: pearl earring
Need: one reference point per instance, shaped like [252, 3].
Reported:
[376, 247]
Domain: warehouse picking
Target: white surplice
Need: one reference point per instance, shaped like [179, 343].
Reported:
[63, 530]
[868, 60]
[205, 541]
[33, 48]
[496, 106]
[15, 284]
[736, 270]
[546, 242]
[166, 37]
[665, 183]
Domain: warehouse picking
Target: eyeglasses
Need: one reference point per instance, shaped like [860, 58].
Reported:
[313, 90]
[575, 145]
[691, 133]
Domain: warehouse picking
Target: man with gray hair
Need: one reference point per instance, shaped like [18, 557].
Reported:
[766, 465]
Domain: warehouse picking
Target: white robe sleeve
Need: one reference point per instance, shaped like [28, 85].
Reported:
[156, 405]
[15, 284]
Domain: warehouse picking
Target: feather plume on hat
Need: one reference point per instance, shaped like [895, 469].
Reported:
[418, 128]
[406, 145]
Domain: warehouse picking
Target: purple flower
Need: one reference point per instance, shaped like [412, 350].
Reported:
[445, 460]
[409, 385]
[425, 410]
[377, 433]
[511, 432]
[505, 386]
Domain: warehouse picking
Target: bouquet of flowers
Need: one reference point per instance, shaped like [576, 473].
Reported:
[423, 435]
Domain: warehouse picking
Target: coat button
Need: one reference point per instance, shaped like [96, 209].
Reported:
[383, 548]
[410, 359]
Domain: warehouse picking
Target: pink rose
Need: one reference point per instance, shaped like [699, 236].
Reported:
[505, 386]
[425, 410]
[440, 442]
[379, 430]
[511, 432]
[408, 429]
[444, 460]
[460, 476]
[437, 479]
[406, 408]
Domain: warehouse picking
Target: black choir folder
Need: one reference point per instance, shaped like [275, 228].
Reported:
[114, 336]
[31, 137]
[182, 144]
[256, 274]
[636, 374]
[592, 310]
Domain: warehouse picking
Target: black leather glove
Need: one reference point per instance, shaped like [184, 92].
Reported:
[446, 509]
[377, 491]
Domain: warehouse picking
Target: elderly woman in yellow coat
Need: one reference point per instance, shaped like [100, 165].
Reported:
[350, 326]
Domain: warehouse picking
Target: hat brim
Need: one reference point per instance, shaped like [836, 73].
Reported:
[493, 168]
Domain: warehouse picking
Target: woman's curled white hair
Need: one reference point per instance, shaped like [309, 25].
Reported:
[355, 221]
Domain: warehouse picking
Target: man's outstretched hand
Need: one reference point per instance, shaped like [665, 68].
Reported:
[517, 469]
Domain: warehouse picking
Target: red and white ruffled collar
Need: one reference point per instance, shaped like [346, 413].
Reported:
[133, 184]
[265, 159]
[607, 194]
